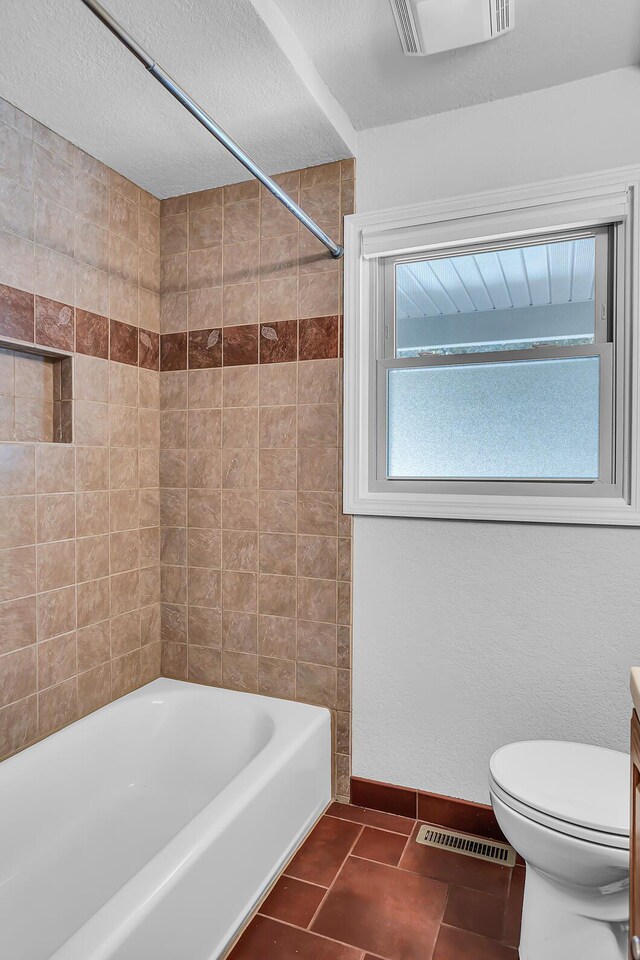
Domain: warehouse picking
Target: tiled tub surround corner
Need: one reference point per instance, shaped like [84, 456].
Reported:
[255, 551]
[79, 537]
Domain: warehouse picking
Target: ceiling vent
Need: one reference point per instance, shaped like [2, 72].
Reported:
[432, 26]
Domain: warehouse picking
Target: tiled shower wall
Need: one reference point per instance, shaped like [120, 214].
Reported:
[79, 522]
[256, 555]
[255, 551]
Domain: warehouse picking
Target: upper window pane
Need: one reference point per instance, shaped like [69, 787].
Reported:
[509, 299]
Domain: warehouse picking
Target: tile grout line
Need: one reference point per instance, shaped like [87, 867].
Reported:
[338, 872]
[374, 826]
[259, 420]
[313, 933]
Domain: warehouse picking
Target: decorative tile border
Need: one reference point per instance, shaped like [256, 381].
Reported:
[279, 341]
[315, 338]
[48, 323]
[465, 815]
[92, 334]
[205, 349]
[17, 314]
[173, 351]
[54, 324]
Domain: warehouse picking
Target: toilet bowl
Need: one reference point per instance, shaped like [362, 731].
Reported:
[564, 807]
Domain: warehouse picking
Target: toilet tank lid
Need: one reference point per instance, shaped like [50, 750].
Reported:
[574, 782]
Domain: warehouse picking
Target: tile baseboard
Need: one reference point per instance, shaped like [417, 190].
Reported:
[452, 812]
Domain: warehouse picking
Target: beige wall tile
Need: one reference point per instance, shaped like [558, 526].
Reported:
[278, 469]
[91, 244]
[92, 513]
[204, 428]
[317, 600]
[17, 156]
[205, 227]
[240, 386]
[56, 564]
[276, 637]
[204, 308]
[239, 510]
[94, 689]
[93, 645]
[17, 572]
[17, 262]
[18, 675]
[56, 612]
[56, 660]
[277, 511]
[240, 550]
[205, 627]
[239, 591]
[240, 427]
[16, 209]
[125, 633]
[205, 665]
[317, 642]
[239, 468]
[82, 223]
[316, 684]
[33, 377]
[55, 469]
[125, 674]
[54, 226]
[18, 725]
[317, 557]
[123, 384]
[205, 587]
[91, 423]
[91, 381]
[92, 558]
[18, 527]
[204, 547]
[17, 624]
[276, 678]
[17, 469]
[54, 274]
[240, 672]
[239, 631]
[240, 304]
[278, 383]
[278, 300]
[278, 426]
[277, 595]
[278, 553]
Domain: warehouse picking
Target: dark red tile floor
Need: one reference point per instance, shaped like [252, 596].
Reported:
[361, 888]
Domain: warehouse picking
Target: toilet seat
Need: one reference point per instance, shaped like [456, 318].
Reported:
[573, 788]
[619, 841]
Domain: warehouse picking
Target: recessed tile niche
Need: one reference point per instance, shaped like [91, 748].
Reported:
[35, 395]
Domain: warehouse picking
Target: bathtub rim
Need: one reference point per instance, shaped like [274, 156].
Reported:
[114, 920]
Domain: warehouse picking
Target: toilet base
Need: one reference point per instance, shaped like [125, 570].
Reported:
[560, 923]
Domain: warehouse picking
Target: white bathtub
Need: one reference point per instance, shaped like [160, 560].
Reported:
[149, 830]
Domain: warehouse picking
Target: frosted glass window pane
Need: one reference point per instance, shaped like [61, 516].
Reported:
[536, 419]
[508, 299]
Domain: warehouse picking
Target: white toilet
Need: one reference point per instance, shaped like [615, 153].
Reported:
[565, 809]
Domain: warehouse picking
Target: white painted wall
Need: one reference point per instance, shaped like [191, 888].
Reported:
[469, 635]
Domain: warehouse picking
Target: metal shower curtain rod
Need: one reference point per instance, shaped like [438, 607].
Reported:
[334, 248]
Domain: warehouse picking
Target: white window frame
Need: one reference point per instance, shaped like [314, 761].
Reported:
[537, 211]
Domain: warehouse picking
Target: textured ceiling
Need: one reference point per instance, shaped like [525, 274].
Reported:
[62, 66]
[289, 79]
[354, 45]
